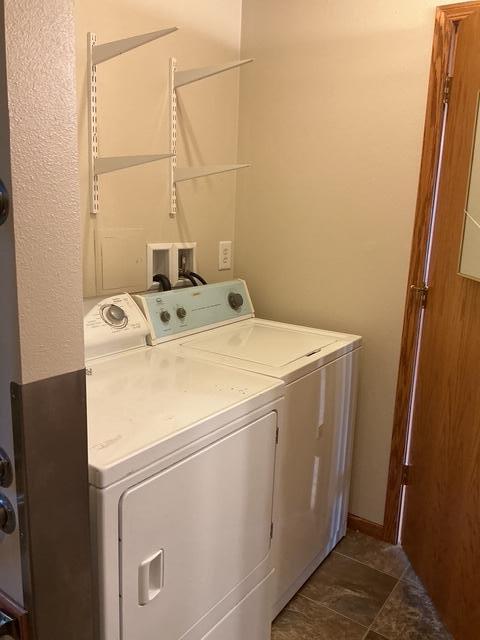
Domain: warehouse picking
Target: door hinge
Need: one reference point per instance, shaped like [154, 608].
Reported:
[271, 530]
[447, 89]
[406, 474]
[276, 436]
[422, 291]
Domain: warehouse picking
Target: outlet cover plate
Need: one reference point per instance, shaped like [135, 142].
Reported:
[224, 255]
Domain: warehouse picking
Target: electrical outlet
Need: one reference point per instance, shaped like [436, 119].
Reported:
[224, 255]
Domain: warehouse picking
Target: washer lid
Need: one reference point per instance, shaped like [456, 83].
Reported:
[266, 345]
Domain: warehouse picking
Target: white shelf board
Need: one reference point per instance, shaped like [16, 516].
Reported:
[107, 165]
[193, 75]
[103, 52]
[189, 173]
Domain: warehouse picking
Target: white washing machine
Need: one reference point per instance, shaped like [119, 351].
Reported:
[181, 466]
[216, 324]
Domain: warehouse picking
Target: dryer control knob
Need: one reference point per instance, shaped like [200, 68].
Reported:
[165, 316]
[181, 313]
[235, 300]
[114, 315]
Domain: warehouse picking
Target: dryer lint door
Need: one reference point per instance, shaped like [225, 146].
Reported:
[194, 532]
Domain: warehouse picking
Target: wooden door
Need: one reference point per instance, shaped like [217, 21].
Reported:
[441, 532]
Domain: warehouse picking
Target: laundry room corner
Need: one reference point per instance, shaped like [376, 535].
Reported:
[324, 221]
[240, 320]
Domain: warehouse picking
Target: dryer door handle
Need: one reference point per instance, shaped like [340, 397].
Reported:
[150, 578]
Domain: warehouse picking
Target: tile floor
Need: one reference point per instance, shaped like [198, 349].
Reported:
[365, 590]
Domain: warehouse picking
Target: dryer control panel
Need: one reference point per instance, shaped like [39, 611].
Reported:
[112, 325]
[172, 314]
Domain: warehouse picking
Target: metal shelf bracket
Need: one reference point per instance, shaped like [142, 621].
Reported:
[173, 137]
[103, 52]
[115, 163]
[179, 79]
[189, 173]
[193, 75]
[93, 124]
[97, 54]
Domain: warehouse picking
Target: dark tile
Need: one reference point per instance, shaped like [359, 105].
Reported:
[409, 614]
[303, 619]
[375, 553]
[350, 588]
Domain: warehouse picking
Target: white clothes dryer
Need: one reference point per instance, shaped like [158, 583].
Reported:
[181, 467]
[216, 324]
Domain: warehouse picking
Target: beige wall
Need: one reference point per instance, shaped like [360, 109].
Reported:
[45, 185]
[332, 115]
[133, 118]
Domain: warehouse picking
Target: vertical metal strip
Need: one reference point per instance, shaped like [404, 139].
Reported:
[92, 129]
[173, 138]
[51, 461]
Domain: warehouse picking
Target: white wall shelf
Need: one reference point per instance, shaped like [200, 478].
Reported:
[96, 55]
[193, 75]
[103, 52]
[180, 79]
[189, 173]
[107, 165]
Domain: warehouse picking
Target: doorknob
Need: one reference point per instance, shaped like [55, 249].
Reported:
[4, 203]
[8, 520]
[6, 473]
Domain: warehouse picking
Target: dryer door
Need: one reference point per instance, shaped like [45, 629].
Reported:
[194, 532]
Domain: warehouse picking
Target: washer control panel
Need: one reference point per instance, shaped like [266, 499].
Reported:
[171, 314]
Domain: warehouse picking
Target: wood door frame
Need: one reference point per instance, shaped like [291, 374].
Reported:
[447, 19]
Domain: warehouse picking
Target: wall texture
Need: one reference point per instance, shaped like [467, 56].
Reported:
[133, 118]
[45, 187]
[332, 115]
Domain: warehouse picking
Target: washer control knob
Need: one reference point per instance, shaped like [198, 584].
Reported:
[114, 315]
[165, 316]
[8, 521]
[6, 473]
[181, 313]
[235, 300]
